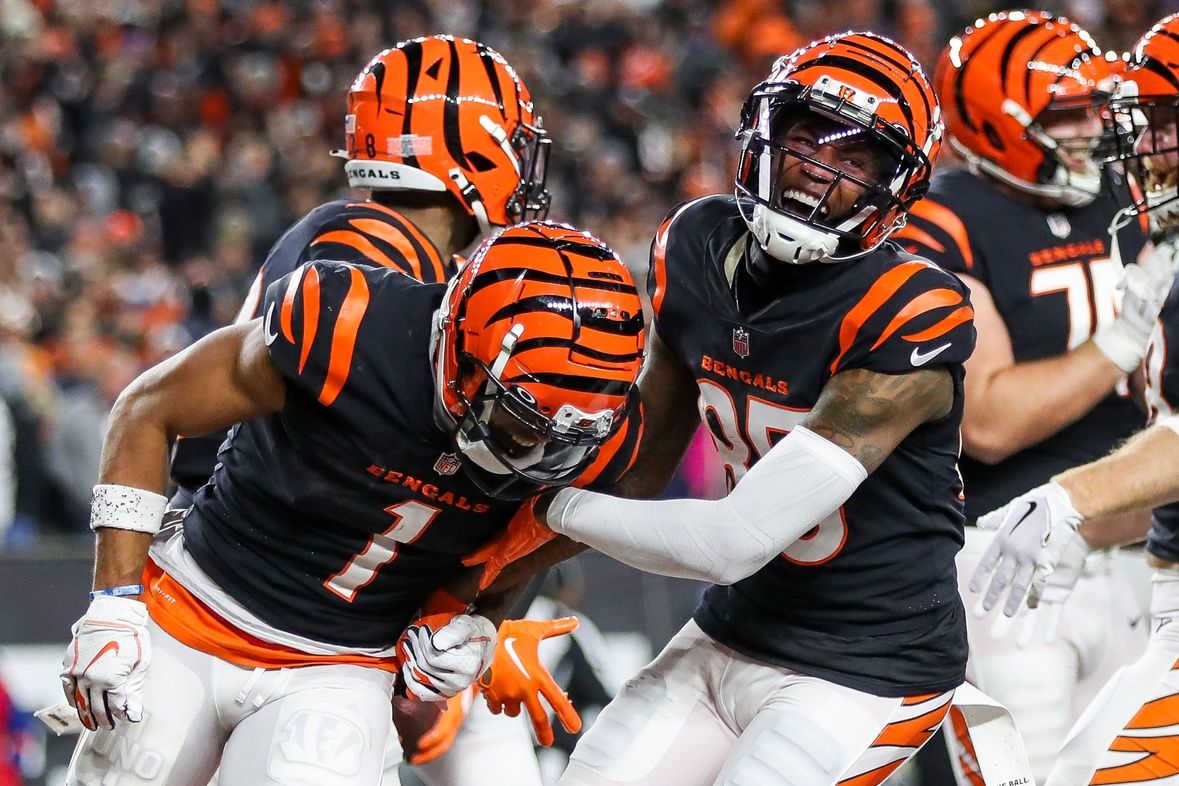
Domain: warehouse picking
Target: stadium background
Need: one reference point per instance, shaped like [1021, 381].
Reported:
[152, 150]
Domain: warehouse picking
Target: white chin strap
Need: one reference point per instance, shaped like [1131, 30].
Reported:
[790, 240]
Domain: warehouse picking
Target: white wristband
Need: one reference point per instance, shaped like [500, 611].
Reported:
[125, 507]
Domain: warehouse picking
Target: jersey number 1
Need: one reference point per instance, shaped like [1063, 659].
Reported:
[410, 520]
[765, 423]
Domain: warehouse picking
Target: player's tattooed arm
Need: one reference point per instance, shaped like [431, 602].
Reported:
[868, 414]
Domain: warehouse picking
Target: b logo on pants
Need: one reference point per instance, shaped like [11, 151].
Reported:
[322, 740]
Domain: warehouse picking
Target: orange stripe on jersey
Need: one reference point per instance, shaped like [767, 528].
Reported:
[390, 234]
[884, 288]
[1136, 195]
[288, 308]
[659, 264]
[310, 314]
[918, 235]
[344, 337]
[432, 255]
[923, 303]
[347, 237]
[659, 257]
[956, 318]
[946, 220]
[192, 623]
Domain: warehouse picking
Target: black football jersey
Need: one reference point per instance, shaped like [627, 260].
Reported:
[1053, 282]
[364, 233]
[1162, 395]
[335, 518]
[869, 598]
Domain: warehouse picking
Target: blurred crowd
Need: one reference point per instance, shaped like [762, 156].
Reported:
[152, 150]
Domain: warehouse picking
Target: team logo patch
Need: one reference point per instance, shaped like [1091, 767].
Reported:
[741, 342]
[447, 464]
[1059, 226]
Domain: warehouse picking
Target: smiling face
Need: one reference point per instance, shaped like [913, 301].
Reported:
[822, 150]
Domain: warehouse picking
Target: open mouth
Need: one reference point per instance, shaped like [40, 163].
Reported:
[801, 202]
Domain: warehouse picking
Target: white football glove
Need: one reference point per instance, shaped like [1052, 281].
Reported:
[106, 664]
[438, 663]
[1034, 531]
[1144, 290]
[1042, 623]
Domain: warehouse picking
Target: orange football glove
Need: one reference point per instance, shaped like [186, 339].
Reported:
[523, 535]
[517, 677]
[440, 737]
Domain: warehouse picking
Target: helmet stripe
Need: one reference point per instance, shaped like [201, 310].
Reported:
[959, 93]
[453, 130]
[488, 278]
[1029, 73]
[872, 75]
[1154, 66]
[581, 317]
[609, 357]
[488, 62]
[413, 67]
[575, 382]
[1009, 53]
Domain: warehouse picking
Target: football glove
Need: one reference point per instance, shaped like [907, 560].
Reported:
[517, 676]
[1034, 532]
[106, 664]
[1144, 290]
[443, 654]
[523, 535]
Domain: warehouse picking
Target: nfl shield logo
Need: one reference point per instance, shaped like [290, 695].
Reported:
[447, 464]
[741, 342]
[1059, 225]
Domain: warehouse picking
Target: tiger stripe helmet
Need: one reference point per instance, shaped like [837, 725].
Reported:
[544, 323]
[1143, 117]
[878, 91]
[1000, 79]
[448, 114]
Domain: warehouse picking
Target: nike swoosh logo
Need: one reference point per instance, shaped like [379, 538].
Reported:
[110, 645]
[918, 358]
[1031, 509]
[510, 646]
[267, 335]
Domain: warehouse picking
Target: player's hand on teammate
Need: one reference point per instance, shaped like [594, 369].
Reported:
[518, 678]
[106, 664]
[1034, 533]
[1144, 287]
[523, 535]
[442, 655]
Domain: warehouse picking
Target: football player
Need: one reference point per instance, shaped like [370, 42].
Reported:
[827, 364]
[385, 429]
[444, 135]
[1127, 734]
[1026, 226]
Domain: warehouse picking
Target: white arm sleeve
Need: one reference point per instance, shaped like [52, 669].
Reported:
[802, 480]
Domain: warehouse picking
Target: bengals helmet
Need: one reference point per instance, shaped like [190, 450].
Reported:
[867, 91]
[1004, 80]
[448, 114]
[539, 340]
[1142, 124]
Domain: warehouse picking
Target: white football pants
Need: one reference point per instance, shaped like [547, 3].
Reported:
[1045, 685]
[1130, 733]
[701, 714]
[317, 725]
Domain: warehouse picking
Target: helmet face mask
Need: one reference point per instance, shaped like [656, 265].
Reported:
[828, 167]
[1141, 127]
[539, 341]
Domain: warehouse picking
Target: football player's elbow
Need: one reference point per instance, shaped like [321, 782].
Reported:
[988, 444]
